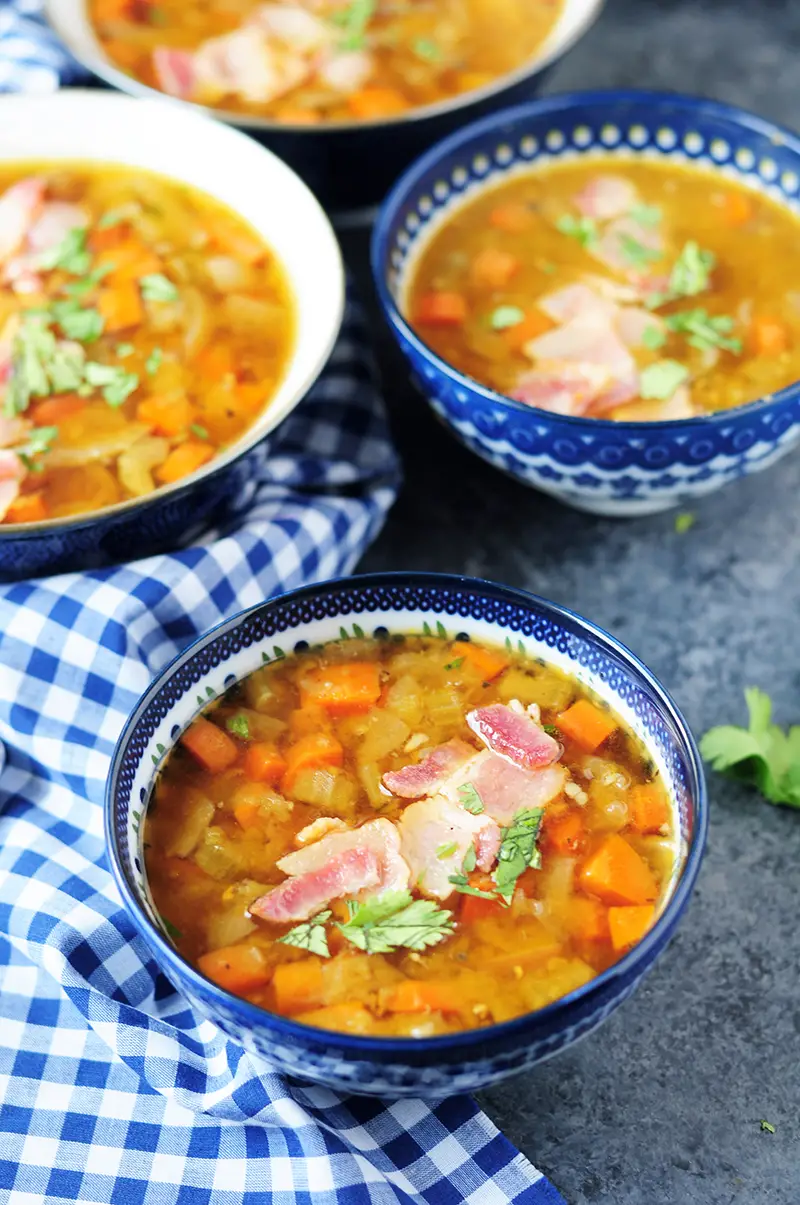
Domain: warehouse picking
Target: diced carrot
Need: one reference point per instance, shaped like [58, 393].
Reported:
[183, 460]
[737, 208]
[420, 996]
[236, 968]
[298, 115]
[54, 410]
[26, 508]
[215, 362]
[534, 323]
[315, 749]
[345, 689]
[586, 919]
[564, 834]
[103, 238]
[476, 907]
[616, 874]
[768, 336]
[168, 415]
[212, 747]
[248, 814]
[586, 724]
[629, 925]
[648, 808]
[371, 103]
[112, 10]
[129, 260]
[297, 985]
[350, 1017]
[121, 306]
[513, 217]
[493, 268]
[441, 309]
[235, 239]
[488, 662]
[263, 762]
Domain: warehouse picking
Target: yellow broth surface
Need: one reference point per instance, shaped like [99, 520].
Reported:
[317, 60]
[324, 738]
[616, 290]
[143, 329]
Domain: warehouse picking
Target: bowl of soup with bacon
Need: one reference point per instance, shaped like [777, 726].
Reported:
[321, 80]
[154, 320]
[588, 260]
[406, 834]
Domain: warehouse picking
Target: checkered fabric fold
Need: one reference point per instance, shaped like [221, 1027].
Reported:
[112, 1090]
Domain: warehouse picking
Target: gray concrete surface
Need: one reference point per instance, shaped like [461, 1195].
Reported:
[662, 1106]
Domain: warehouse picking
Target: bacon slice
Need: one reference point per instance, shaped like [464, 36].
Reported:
[583, 341]
[435, 835]
[605, 197]
[561, 389]
[610, 248]
[505, 788]
[12, 471]
[632, 323]
[425, 778]
[514, 735]
[175, 72]
[577, 301]
[20, 206]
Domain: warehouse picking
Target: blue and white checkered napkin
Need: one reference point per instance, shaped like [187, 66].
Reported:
[111, 1089]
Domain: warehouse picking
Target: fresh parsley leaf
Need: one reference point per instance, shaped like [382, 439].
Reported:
[462, 885]
[518, 850]
[115, 382]
[124, 350]
[113, 217]
[32, 351]
[426, 48]
[459, 661]
[170, 929]
[158, 287]
[767, 1127]
[79, 288]
[551, 730]
[239, 725]
[354, 21]
[447, 850]
[153, 362]
[691, 272]
[646, 215]
[636, 253]
[470, 799]
[505, 316]
[199, 431]
[660, 380]
[704, 330]
[762, 755]
[310, 935]
[70, 255]
[470, 860]
[395, 921]
[66, 367]
[583, 229]
[39, 441]
[83, 325]
[653, 337]
[683, 522]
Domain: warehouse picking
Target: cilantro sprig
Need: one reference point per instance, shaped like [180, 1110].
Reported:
[761, 755]
[310, 935]
[396, 920]
[353, 21]
[239, 725]
[705, 331]
[470, 799]
[583, 230]
[690, 275]
[518, 851]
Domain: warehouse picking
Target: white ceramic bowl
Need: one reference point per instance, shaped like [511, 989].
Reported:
[103, 127]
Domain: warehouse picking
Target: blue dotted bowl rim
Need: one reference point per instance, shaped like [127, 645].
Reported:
[534, 110]
[259, 1018]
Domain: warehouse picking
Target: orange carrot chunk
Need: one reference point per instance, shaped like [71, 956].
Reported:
[342, 689]
[586, 724]
[54, 410]
[166, 415]
[513, 217]
[441, 309]
[236, 968]
[768, 336]
[182, 461]
[564, 834]
[420, 996]
[648, 808]
[120, 306]
[475, 907]
[737, 208]
[371, 103]
[487, 662]
[212, 747]
[129, 261]
[616, 874]
[315, 749]
[493, 268]
[215, 362]
[297, 985]
[26, 508]
[629, 925]
[350, 1017]
[263, 762]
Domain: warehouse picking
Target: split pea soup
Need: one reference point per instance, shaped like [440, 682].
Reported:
[408, 837]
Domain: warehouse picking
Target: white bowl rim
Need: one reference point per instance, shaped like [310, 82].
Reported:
[93, 98]
[551, 50]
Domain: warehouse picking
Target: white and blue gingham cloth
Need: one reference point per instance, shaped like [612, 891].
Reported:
[112, 1091]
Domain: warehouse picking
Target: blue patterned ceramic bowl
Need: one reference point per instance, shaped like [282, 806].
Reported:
[101, 127]
[401, 603]
[609, 468]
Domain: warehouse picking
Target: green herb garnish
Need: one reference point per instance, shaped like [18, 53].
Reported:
[551, 730]
[124, 350]
[767, 1127]
[583, 229]
[691, 274]
[310, 935]
[79, 288]
[518, 850]
[71, 254]
[646, 215]
[239, 725]
[463, 887]
[158, 287]
[459, 661]
[83, 325]
[395, 920]
[506, 316]
[354, 21]
[653, 337]
[115, 382]
[660, 380]
[636, 253]
[470, 860]
[153, 362]
[39, 441]
[762, 755]
[447, 850]
[470, 799]
[683, 522]
[705, 330]
[426, 48]
[113, 217]
[199, 431]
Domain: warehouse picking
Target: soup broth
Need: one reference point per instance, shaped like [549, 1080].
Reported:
[616, 291]
[143, 328]
[408, 837]
[317, 60]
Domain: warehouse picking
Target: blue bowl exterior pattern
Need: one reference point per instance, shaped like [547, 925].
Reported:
[612, 468]
[400, 603]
